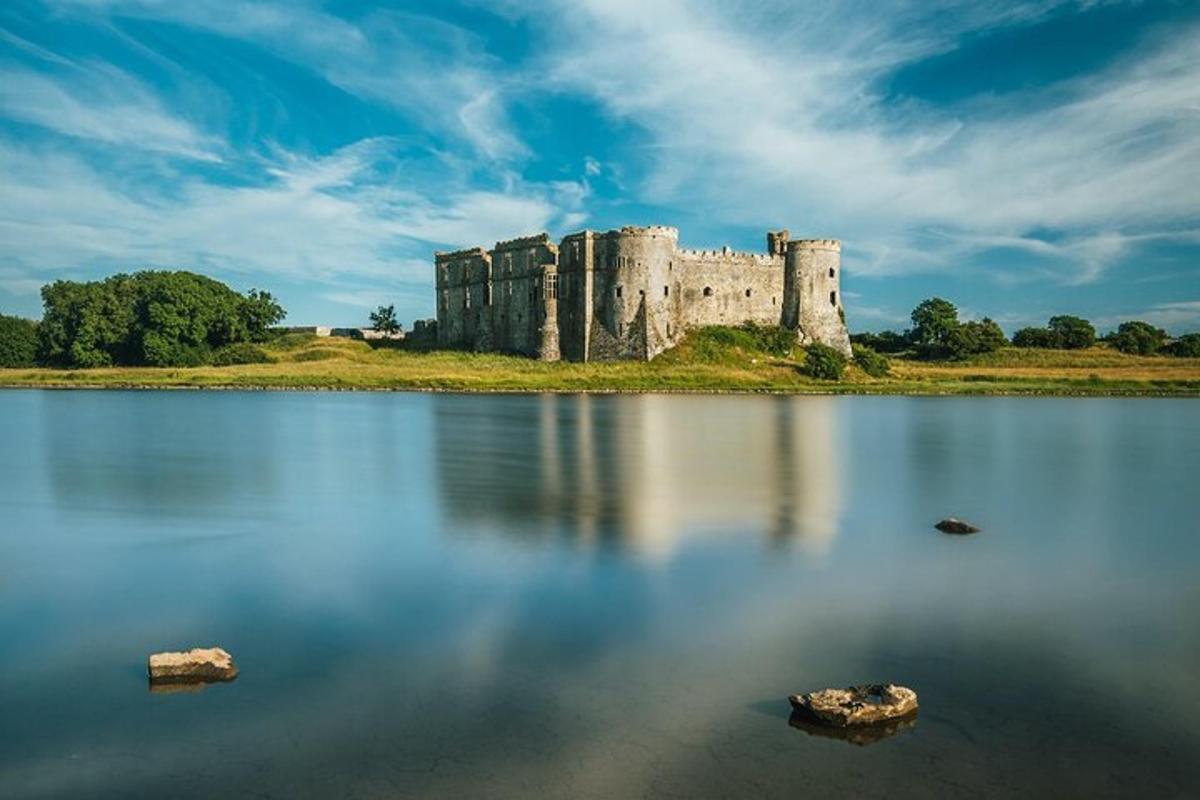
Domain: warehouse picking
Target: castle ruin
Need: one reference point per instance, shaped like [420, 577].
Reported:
[632, 293]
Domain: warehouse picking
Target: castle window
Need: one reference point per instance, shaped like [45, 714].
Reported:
[551, 286]
[833, 298]
[708, 291]
[831, 272]
[747, 293]
[772, 301]
[666, 291]
[618, 292]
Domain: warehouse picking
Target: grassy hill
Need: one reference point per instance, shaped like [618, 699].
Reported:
[711, 360]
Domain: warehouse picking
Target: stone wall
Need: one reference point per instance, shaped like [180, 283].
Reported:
[631, 293]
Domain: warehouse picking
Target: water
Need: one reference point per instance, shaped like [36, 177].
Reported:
[454, 596]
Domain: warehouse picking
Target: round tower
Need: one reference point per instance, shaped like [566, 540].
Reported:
[812, 297]
[643, 290]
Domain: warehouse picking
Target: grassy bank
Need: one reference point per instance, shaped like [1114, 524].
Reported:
[702, 364]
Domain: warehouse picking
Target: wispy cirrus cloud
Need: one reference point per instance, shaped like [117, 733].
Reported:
[324, 219]
[759, 113]
[438, 73]
[96, 101]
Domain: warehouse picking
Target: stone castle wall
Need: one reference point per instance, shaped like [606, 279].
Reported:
[631, 293]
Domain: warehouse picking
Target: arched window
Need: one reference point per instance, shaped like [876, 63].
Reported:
[833, 298]
[708, 291]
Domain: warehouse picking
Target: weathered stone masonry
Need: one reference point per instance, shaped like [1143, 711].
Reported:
[632, 293]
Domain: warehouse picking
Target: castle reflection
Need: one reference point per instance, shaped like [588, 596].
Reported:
[642, 472]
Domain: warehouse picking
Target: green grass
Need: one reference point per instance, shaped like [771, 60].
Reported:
[710, 360]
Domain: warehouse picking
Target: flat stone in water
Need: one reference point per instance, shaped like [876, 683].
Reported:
[952, 525]
[193, 666]
[856, 705]
[858, 735]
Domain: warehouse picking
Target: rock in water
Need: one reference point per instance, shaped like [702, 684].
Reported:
[857, 705]
[196, 665]
[952, 525]
[859, 735]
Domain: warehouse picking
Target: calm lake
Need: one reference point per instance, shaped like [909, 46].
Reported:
[539, 596]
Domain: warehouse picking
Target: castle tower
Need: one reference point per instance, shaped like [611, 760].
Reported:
[812, 298]
[549, 347]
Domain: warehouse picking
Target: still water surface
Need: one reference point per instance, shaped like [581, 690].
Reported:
[471, 596]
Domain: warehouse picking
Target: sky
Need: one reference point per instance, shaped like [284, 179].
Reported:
[1022, 159]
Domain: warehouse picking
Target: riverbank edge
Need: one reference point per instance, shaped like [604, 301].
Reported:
[831, 391]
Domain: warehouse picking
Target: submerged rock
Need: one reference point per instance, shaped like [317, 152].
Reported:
[195, 666]
[859, 735]
[856, 705]
[952, 525]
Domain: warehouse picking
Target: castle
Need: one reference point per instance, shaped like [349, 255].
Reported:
[631, 293]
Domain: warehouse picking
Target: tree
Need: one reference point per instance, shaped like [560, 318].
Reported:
[1139, 338]
[1186, 346]
[1036, 337]
[158, 318]
[973, 338]
[933, 321]
[384, 320]
[824, 362]
[259, 313]
[1072, 333]
[18, 342]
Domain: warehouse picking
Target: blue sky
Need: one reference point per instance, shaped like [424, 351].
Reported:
[1022, 159]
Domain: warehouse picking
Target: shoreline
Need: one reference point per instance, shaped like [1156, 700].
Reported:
[846, 391]
[313, 364]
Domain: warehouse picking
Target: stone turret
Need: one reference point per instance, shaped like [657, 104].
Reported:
[632, 292]
[812, 299]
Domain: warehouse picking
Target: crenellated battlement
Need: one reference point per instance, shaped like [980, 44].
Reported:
[731, 257]
[441, 256]
[522, 242]
[632, 292]
[815, 244]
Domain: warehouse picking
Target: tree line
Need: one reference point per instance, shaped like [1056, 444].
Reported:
[152, 318]
[937, 333]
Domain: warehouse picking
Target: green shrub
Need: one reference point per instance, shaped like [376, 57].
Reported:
[1138, 338]
[882, 342]
[824, 362]
[1036, 337]
[871, 362]
[720, 343]
[241, 353]
[18, 342]
[973, 338]
[770, 339]
[1186, 346]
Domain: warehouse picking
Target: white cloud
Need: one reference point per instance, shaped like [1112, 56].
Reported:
[1178, 317]
[435, 72]
[98, 102]
[326, 218]
[768, 115]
